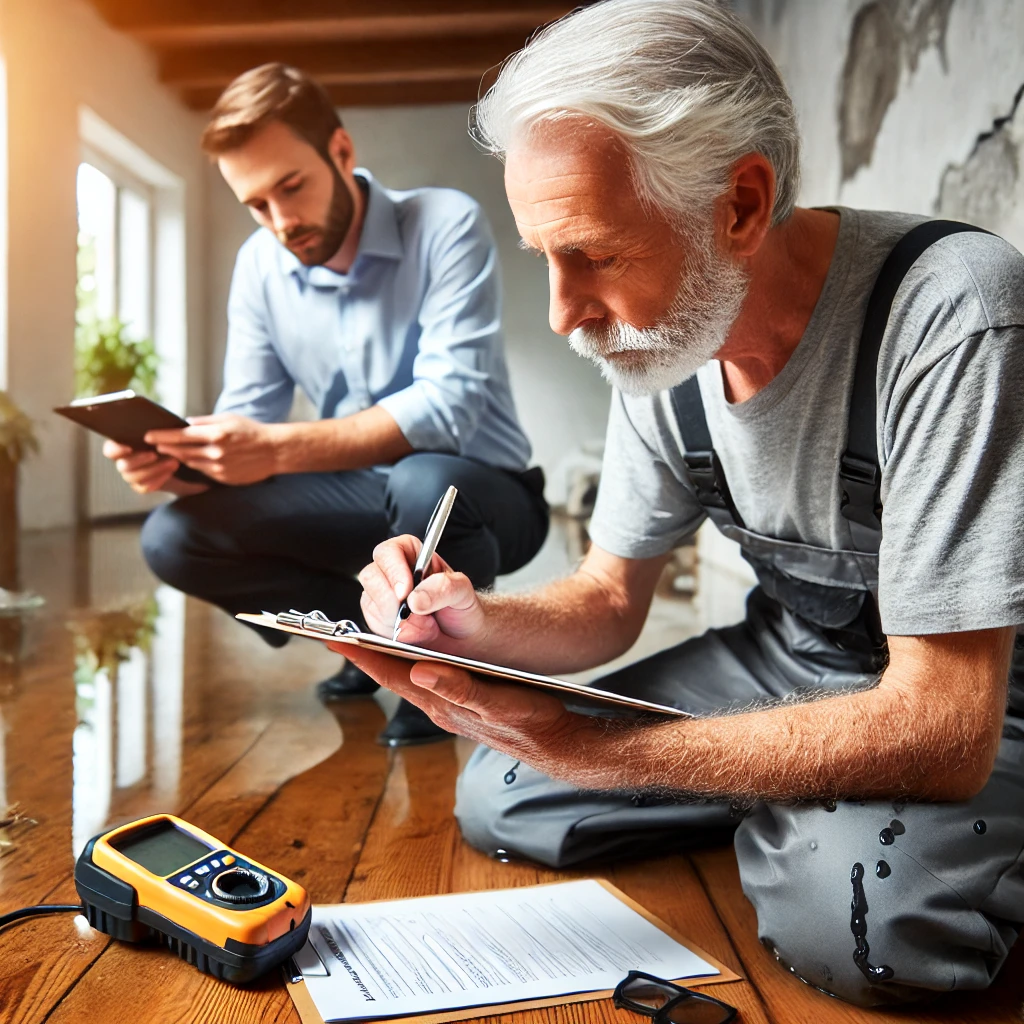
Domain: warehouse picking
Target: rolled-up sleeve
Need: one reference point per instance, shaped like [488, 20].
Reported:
[256, 384]
[460, 340]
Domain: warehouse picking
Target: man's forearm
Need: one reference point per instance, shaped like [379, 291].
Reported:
[536, 632]
[924, 732]
[862, 744]
[367, 438]
[570, 625]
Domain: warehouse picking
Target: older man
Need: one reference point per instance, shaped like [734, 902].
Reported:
[788, 373]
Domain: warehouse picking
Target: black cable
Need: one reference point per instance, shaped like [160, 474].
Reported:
[41, 908]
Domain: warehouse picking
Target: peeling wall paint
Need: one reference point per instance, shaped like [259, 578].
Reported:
[987, 188]
[908, 105]
[886, 37]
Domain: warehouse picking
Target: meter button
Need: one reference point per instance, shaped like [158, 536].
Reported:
[185, 879]
[228, 859]
[240, 885]
[215, 863]
[193, 884]
[202, 870]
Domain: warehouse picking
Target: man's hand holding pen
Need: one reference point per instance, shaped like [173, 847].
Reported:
[443, 606]
[408, 586]
[448, 615]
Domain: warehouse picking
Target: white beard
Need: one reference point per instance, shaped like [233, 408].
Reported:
[694, 327]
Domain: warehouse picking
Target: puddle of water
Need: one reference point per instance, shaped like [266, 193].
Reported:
[129, 679]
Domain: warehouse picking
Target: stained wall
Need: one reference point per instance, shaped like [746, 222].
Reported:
[911, 105]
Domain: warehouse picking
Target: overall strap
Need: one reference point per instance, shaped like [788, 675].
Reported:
[702, 463]
[860, 477]
[859, 474]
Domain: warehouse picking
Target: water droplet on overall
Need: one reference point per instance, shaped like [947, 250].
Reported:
[882, 869]
[897, 826]
[859, 927]
[886, 838]
[980, 827]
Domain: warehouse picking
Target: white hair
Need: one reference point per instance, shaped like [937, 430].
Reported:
[684, 85]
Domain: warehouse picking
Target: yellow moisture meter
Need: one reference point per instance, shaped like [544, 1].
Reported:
[160, 877]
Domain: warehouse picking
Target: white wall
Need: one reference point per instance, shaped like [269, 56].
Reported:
[958, 67]
[562, 400]
[60, 56]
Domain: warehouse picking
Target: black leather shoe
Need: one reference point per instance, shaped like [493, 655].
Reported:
[348, 682]
[410, 726]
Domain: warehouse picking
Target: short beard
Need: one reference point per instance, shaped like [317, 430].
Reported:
[646, 360]
[329, 236]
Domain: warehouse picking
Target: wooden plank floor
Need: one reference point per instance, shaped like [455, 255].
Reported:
[236, 742]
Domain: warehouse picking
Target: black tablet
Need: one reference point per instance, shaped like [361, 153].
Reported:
[126, 418]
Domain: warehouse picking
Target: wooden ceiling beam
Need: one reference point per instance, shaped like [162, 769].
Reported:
[343, 63]
[371, 94]
[149, 15]
[345, 29]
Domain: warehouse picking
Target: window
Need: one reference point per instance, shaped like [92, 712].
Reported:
[130, 283]
[115, 249]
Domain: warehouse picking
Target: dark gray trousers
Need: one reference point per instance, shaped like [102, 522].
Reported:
[298, 541]
[871, 901]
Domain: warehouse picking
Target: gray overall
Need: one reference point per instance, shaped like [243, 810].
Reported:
[875, 902]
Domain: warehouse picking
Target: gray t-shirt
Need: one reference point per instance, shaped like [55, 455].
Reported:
[950, 435]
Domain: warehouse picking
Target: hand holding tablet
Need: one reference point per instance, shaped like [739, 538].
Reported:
[126, 418]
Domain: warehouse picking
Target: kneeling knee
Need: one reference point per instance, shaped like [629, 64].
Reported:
[414, 486]
[872, 932]
[476, 811]
[166, 542]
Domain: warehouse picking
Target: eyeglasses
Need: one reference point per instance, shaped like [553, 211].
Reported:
[668, 1003]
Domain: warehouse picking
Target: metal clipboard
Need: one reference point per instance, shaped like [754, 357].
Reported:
[318, 626]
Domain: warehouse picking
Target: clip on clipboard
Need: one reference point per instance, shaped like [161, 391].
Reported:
[318, 626]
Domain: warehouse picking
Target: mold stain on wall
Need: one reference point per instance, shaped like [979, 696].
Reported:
[886, 38]
[987, 186]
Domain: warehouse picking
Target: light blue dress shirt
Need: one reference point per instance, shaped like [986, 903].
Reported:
[414, 326]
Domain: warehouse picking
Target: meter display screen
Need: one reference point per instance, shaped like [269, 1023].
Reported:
[162, 849]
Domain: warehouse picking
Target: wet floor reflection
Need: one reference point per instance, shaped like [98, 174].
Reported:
[129, 679]
[147, 701]
[124, 698]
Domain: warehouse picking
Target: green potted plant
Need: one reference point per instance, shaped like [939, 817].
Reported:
[107, 360]
[17, 442]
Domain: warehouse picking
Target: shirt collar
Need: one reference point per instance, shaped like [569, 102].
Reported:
[379, 237]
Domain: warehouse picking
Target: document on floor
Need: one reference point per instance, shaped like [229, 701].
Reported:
[439, 954]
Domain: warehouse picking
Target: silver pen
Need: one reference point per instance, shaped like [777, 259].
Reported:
[430, 541]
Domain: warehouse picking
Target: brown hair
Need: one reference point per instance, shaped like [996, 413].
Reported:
[271, 92]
